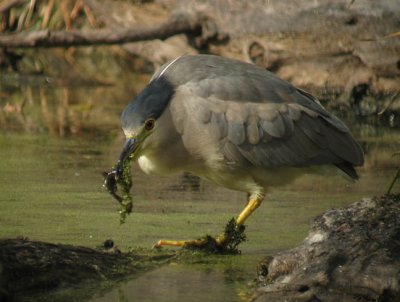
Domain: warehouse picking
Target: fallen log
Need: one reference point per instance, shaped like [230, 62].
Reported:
[47, 38]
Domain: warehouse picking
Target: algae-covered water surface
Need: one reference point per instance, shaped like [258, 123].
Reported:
[55, 142]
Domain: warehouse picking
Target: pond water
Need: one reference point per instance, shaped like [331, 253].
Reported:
[56, 140]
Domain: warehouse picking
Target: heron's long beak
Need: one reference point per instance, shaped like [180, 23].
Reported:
[130, 146]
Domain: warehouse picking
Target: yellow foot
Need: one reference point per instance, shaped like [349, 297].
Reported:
[230, 239]
[224, 243]
[161, 243]
[208, 243]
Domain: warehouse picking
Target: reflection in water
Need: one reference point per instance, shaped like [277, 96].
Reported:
[55, 141]
[60, 111]
[176, 283]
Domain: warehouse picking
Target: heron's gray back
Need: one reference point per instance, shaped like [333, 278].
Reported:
[227, 79]
[248, 115]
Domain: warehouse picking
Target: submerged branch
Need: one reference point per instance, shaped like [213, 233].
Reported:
[47, 38]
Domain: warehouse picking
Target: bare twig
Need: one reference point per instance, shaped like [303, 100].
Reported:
[396, 177]
[76, 9]
[392, 35]
[21, 19]
[90, 16]
[46, 38]
[66, 15]
[47, 13]
[390, 103]
[30, 12]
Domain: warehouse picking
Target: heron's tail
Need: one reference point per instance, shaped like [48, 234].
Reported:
[348, 169]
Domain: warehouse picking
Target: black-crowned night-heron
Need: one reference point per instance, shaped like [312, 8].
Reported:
[234, 124]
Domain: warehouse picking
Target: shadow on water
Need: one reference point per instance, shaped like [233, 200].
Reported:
[56, 138]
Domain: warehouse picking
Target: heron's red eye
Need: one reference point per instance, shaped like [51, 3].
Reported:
[149, 124]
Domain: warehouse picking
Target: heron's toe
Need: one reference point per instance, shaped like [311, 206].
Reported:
[157, 245]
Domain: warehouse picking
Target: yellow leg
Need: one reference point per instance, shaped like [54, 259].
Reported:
[253, 203]
[161, 243]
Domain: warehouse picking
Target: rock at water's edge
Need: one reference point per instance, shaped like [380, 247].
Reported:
[351, 254]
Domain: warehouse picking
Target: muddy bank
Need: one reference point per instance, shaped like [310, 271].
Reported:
[350, 254]
[29, 269]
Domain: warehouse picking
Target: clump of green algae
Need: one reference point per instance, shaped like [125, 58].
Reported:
[120, 179]
[234, 235]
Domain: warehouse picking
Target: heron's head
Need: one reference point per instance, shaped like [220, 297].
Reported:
[139, 118]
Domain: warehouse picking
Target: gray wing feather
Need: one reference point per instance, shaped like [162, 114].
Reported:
[218, 125]
[290, 139]
[320, 139]
[236, 133]
[294, 112]
[275, 128]
[232, 154]
[253, 131]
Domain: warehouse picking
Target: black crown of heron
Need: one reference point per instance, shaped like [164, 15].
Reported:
[234, 124]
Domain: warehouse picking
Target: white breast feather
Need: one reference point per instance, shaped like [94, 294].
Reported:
[146, 165]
